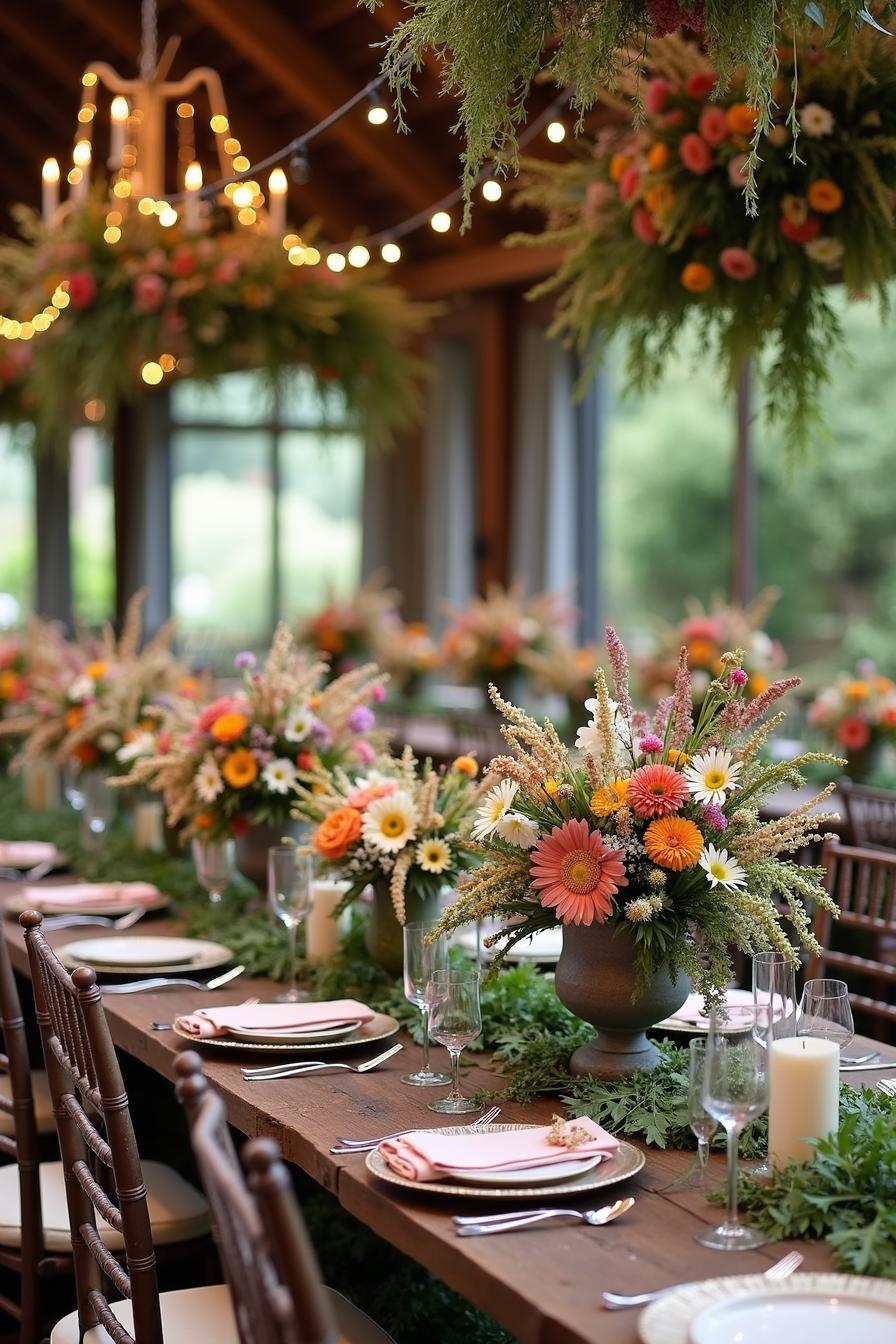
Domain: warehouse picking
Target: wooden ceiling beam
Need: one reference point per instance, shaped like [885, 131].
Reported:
[35, 42]
[302, 70]
[491, 267]
[35, 103]
[112, 24]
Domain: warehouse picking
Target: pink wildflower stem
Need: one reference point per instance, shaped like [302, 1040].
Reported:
[760, 703]
[619, 664]
[682, 713]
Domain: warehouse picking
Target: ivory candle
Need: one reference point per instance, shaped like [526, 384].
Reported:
[149, 831]
[40, 786]
[804, 1091]
[119, 113]
[50, 190]
[321, 929]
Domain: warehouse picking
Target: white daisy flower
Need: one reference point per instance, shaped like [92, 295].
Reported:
[588, 738]
[108, 741]
[433, 855]
[829, 251]
[207, 781]
[517, 830]
[816, 121]
[495, 805]
[299, 722]
[389, 823]
[279, 775]
[721, 870]
[82, 688]
[711, 776]
[141, 744]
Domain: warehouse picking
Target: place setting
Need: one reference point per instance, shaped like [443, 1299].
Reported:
[29, 861]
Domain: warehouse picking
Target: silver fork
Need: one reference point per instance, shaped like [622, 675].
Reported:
[781, 1269]
[860, 1059]
[343, 1145]
[31, 874]
[275, 1072]
[126, 921]
[498, 1222]
[165, 982]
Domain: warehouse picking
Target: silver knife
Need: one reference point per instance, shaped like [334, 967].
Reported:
[868, 1068]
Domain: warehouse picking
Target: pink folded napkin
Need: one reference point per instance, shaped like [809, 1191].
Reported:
[26, 853]
[427, 1156]
[273, 1017]
[92, 895]
[739, 1003]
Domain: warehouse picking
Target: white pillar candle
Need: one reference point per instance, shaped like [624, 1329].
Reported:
[50, 190]
[322, 931]
[804, 1094]
[278, 186]
[149, 830]
[40, 786]
[192, 186]
[119, 113]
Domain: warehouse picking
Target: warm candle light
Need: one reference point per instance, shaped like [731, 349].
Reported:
[804, 1089]
[277, 189]
[322, 932]
[81, 158]
[50, 193]
[192, 185]
[119, 112]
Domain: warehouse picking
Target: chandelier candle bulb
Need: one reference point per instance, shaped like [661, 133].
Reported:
[50, 192]
[81, 157]
[804, 1089]
[277, 189]
[192, 185]
[119, 112]
[322, 931]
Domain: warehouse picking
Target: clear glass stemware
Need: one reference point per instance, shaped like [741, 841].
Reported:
[703, 1125]
[97, 810]
[825, 1011]
[774, 1009]
[290, 897]
[455, 1021]
[422, 958]
[214, 861]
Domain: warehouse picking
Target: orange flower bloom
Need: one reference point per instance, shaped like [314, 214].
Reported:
[73, 717]
[240, 768]
[499, 658]
[697, 278]
[337, 832]
[657, 790]
[203, 821]
[96, 671]
[742, 118]
[576, 874]
[758, 683]
[673, 842]
[330, 641]
[606, 801]
[888, 716]
[676, 757]
[657, 156]
[86, 753]
[228, 727]
[856, 690]
[658, 197]
[466, 765]
[618, 165]
[883, 685]
[825, 196]
[701, 652]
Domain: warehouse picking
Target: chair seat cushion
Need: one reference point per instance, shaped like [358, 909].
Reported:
[43, 1105]
[177, 1211]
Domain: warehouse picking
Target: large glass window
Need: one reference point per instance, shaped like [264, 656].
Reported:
[17, 528]
[92, 526]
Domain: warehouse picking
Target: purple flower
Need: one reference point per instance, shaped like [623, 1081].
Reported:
[866, 668]
[245, 661]
[650, 744]
[321, 733]
[738, 677]
[361, 719]
[715, 817]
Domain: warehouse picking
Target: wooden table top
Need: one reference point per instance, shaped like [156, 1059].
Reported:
[543, 1285]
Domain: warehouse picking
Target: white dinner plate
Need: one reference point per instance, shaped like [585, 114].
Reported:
[543, 947]
[751, 1309]
[550, 1173]
[137, 953]
[625, 1162]
[287, 1036]
[377, 1029]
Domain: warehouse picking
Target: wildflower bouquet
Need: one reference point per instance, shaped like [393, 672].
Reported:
[653, 829]
[238, 761]
[402, 824]
[487, 641]
[350, 630]
[858, 714]
[564, 670]
[656, 236]
[408, 653]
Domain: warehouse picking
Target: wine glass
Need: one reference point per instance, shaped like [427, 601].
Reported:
[97, 809]
[703, 1125]
[455, 1020]
[825, 1011]
[214, 860]
[421, 959]
[290, 897]
[774, 1009]
[71, 783]
[735, 1090]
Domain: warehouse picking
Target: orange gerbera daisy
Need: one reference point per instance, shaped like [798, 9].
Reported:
[576, 874]
[657, 790]
[466, 765]
[240, 768]
[606, 801]
[228, 727]
[673, 842]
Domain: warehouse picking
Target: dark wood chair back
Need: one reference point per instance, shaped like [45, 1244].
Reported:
[96, 1138]
[267, 1257]
[22, 1147]
[870, 814]
[863, 883]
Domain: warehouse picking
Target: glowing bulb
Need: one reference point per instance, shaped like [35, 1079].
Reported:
[241, 164]
[152, 372]
[94, 409]
[296, 256]
[336, 262]
[232, 146]
[312, 256]
[113, 218]
[26, 331]
[242, 195]
[193, 176]
[146, 205]
[185, 109]
[119, 111]
[219, 124]
[247, 215]
[50, 170]
[112, 234]
[88, 79]
[167, 363]
[491, 190]
[81, 154]
[390, 252]
[168, 217]
[556, 132]
[441, 221]
[86, 113]
[73, 176]
[277, 183]
[61, 299]
[40, 322]
[291, 240]
[358, 255]
[122, 189]
[229, 189]
[377, 115]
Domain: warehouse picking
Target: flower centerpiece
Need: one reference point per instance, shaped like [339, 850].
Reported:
[408, 652]
[400, 829]
[234, 768]
[858, 715]
[647, 848]
[351, 630]
[487, 640]
[563, 669]
[35, 654]
[656, 237]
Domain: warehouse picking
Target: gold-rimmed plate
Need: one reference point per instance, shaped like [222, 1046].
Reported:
[381, 1026]
[625, 1162]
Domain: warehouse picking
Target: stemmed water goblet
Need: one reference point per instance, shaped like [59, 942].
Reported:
[703, 1125]
[290, 897]
[423, 956]
[735, 1091]
[72, 783]
[214, 861]
[97, 811]
[825, 1012]
[774, 1009]
[455, 1021]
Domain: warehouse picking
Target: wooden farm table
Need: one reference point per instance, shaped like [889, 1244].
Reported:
[543, 1285]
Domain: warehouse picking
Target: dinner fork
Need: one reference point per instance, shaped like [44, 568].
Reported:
[122, 922]
[781, 1269]
[34, 874]
[489, 1224]
[277, 1071]
[343, 1145]
[165, 982]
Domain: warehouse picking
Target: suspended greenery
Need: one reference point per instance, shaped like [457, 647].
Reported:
[492, 50]
[144, 302]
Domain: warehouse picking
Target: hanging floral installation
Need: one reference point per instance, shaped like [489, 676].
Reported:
[656, 236]
[118, 310]
[491, 55]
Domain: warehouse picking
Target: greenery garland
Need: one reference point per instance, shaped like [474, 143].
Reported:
[492, 50]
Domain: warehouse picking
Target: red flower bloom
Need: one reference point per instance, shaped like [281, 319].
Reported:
[700, 84]
[81, 289]
[655, 96]
[629, 183]
[656, 790]
[667, 15]
[643, 226]
[800, 233]
[239, 826]
[695, 153]
[853, 733]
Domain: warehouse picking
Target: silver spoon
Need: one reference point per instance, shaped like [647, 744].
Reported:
[509, 1222]
[781, 1269]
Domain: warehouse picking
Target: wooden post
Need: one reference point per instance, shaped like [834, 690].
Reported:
[53, 595]
[141, 479]
[743, 496]
[494, 437]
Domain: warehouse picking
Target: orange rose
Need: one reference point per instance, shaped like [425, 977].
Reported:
[697, 278]
[337, 832]
[240, 769]
[657, 156]
[824, 196]
[228, 727]
[742, 118]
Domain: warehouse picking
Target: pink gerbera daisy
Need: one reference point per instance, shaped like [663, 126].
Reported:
[576, 874]
[656, 790]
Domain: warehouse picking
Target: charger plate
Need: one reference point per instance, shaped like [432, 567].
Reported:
[378, 1028]
[685, 1317]
[625, 1162]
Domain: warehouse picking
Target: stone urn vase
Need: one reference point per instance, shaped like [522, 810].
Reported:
[595, 979]
[252, 848]
[383, 938]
